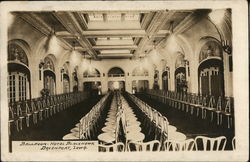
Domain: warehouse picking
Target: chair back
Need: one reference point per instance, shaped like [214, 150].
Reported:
[210, 144]
[219, 104]
[117, 147]
[233, 143]
[147, 146]
[174, 145]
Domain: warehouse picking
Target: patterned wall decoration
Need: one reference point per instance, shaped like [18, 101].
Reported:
[48, 64]
[16, 53]
[180, 61]
[210, 49]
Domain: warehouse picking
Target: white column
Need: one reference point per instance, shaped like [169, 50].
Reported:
[228, 76]
[172, 77]
[36, 83]
[193, 79]
[160, 78]
[104, 82]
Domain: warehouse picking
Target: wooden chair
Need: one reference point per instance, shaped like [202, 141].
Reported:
[210, 144]
[144, 146]
[175, 145]
[117, 147]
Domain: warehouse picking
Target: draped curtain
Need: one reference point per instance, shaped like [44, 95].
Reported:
[211, 82]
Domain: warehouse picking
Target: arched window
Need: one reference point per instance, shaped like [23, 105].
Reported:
[49, 75]
[180, 74]
[116, 72]
[140, 71]
[91, 72]
[210, 71]
[19, 74]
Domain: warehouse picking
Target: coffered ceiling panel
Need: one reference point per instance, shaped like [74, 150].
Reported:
[51, 20]
[116, 34]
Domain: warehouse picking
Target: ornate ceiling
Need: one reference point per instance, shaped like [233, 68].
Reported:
[120, 34]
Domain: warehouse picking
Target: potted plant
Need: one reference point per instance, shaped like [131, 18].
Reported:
[45, 92]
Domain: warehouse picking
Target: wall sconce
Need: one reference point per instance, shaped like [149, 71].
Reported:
[186, 62]
[103, 74]
[41, 65]
[226, 47]
[62, 71]
[128, 74]
[225, 44]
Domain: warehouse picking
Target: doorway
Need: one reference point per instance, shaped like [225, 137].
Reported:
[116, 85]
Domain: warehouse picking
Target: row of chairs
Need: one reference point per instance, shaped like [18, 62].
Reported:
[204, 106]
[110, 130]
[88, 126]
[200, 143]
[27, 111]
[157, 123]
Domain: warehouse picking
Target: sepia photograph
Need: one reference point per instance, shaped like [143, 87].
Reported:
[124, 78]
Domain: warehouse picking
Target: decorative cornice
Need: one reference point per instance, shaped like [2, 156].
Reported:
[71, 24]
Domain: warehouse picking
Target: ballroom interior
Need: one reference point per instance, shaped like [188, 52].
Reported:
[162, 79]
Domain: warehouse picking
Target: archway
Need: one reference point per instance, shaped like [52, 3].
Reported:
[140, 86]
[165, 76]
[91, 72]
[19, 73]
[116, 72]
[180, 74]
[92, 87]
[116, 85]
[49, 76]
[210, 70]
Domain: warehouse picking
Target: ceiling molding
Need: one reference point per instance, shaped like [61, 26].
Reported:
[70, 23]
[159, 19]
[128, 55]
[81, 20]
[36, 24]
[115, 47]
[189, 21]
[35, 21]
[113, 33]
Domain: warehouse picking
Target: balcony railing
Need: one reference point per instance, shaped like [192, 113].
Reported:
[200, 105]
[34, 110]
[116, 75]
[91, 76]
